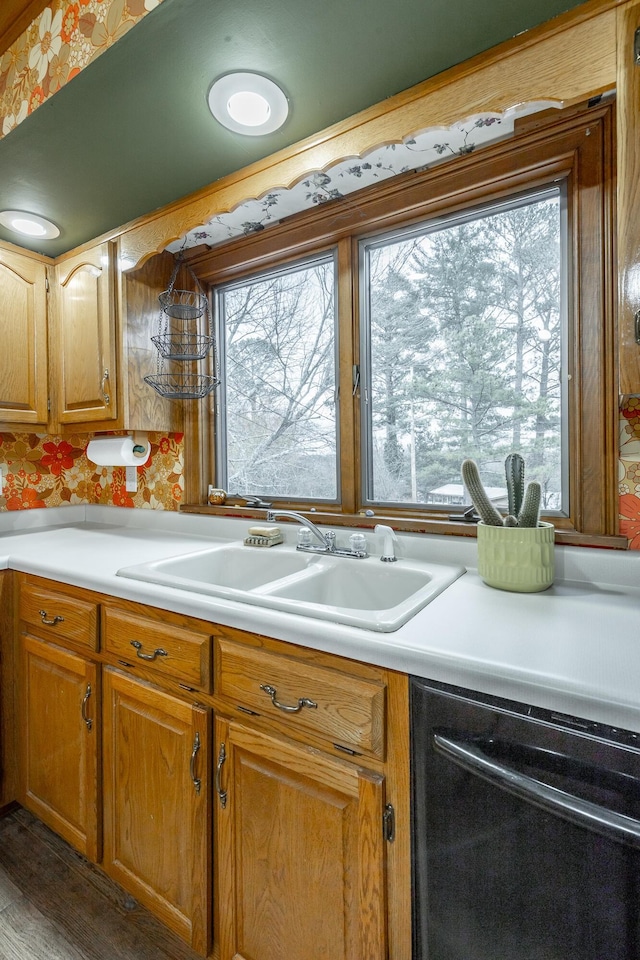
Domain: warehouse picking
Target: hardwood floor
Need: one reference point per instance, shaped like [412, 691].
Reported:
[55, 905]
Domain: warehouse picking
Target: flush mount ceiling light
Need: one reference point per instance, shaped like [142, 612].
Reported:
[248, 103]
[29, 224]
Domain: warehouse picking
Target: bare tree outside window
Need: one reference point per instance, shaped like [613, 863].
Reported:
[278, 430]
[465, 325]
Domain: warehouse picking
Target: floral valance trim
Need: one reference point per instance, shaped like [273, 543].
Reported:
[423, 149]
[56, 47]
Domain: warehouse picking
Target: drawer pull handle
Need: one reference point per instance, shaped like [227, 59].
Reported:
[85, 700]
[302, 702]
[192, 767]
[222, 794]
[50, 622]
[158, 652]
[103, 388]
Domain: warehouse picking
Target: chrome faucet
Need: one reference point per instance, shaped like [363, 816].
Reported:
[327, 541]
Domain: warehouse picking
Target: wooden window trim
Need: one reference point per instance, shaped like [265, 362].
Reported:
[574, 145]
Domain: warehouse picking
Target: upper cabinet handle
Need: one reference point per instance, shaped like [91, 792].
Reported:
[50, 622]
[103, 387]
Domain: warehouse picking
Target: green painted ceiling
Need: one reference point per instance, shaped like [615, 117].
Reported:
[133, 131]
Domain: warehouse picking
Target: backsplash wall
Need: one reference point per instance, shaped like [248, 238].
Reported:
[51, 471]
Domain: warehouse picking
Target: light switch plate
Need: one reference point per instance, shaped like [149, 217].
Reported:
[131, 479]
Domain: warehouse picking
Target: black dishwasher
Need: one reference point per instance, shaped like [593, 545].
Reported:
[525, 832]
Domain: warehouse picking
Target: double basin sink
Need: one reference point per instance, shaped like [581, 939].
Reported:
[358, 592]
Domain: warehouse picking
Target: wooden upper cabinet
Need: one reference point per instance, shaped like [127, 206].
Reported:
[86, 332]
[23, 325]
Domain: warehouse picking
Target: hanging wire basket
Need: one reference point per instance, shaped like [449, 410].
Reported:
[183, 304]
[182, 386]
[183, 346]
[178, 338]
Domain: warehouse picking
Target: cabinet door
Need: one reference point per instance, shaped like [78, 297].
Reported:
[23, 325]
[60, 717]
[86, 332]
[156, 841]
[300, 852]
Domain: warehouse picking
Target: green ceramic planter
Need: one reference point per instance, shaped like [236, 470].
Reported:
[520, 559]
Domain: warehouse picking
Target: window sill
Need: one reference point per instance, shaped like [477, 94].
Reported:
[564, 537]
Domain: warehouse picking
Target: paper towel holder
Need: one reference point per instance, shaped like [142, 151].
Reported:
[119, 450]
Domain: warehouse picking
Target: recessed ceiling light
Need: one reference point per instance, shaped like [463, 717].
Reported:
[29, 224]
[248, 103]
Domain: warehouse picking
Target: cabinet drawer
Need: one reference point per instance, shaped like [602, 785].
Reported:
[344, 709]
[53, 614]
[174, 652]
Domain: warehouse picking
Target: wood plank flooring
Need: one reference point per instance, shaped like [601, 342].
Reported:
[55, 905]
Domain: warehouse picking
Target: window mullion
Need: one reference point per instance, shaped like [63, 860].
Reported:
[347, 340]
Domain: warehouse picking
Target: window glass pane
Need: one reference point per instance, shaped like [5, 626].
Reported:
[466, 327]
[278, 429]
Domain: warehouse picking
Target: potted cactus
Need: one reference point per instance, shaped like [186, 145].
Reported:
[515, 552]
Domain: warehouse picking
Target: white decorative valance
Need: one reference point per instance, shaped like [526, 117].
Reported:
[426, 148]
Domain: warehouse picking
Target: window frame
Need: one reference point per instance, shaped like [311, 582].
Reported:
[576, 145]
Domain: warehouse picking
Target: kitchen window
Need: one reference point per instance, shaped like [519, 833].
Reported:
[464, 334]
[369, 345]
[277, 420]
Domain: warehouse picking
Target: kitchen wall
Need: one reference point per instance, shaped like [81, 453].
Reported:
[50, 471]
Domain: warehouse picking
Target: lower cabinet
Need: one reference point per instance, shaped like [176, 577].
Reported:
[156, 797]
[60, 739]
[300, 868]
[268, 835]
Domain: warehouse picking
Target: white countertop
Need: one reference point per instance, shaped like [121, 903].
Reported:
[574, 648]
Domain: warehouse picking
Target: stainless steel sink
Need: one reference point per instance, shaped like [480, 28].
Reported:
[363, 593]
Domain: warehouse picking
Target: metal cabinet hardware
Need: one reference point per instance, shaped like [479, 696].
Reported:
[192, 767]
[343, 749]
[103, 387]
[636, 326]
[222, 794]
[158, 652]
[50, 622]
[302, 702]
[252, 713]
[83, 709]
[389, 823]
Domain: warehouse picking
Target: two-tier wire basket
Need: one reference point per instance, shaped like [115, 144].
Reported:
[184, 335]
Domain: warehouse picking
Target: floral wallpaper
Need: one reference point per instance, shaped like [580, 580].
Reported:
[51, 471]
[629, 471]
[419, 150]
[61, 42]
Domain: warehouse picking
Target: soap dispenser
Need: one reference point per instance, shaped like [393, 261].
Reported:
[388, 550]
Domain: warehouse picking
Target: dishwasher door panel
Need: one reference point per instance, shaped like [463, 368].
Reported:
[499, 877]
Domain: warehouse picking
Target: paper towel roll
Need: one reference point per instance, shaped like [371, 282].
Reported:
[117, 452]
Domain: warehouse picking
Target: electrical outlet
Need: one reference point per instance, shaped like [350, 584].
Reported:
[131, 479]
